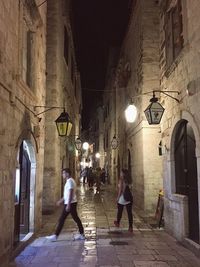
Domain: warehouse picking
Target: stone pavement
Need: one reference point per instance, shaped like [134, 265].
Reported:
[105, 246]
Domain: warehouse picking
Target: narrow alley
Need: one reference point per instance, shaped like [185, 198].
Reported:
[105, 245]
[110, 91]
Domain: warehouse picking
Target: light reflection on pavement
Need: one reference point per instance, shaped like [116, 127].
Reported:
[105, 245]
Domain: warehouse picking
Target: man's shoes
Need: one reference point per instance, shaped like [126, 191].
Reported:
[130, 229]
[116, 224]
[51, 238]
[79, 237]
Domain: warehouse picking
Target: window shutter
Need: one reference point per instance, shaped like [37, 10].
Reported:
[169, 40]
[173, 31]
[177, 29]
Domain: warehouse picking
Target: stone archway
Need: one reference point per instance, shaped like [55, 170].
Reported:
[186, 174]
[25, 191]
[177, 202]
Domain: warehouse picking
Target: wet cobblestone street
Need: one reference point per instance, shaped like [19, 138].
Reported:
[105, 245]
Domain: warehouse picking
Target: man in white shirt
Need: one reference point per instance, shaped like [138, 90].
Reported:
[70, 204]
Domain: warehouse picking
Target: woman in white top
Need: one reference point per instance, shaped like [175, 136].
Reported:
[70, 203]
[121, 202]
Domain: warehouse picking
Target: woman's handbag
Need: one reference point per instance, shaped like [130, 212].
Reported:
[127, 194]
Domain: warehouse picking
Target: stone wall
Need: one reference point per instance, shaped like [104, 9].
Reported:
[110, 116]
[141, 50]
[18, 120]
[136, 74]
[182, 76]
[52, 164]
[63, 90]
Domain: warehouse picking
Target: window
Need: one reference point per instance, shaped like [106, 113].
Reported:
[66, 45]
[27, 47]
[30, 22]
[173, 31]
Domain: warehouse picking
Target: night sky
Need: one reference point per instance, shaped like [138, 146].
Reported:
[97, 25]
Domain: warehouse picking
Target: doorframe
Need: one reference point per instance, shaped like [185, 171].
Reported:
[32, 158]
[170, 164]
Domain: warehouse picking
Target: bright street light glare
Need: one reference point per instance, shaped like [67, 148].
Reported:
[97, 155]
[131, 113]
[85, 145]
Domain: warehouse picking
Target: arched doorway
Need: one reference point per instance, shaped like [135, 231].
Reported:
[186, 174]
[24, 191]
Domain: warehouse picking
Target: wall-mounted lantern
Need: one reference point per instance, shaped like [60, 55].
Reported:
[154, 111]
[64, 124]
[115, 142]
[78, 143]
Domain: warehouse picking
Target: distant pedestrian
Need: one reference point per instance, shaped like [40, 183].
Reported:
[90, 177]
[103, 176]
[121, 202]
[98, 179]
[70, 204]
[107, 178]
[85, 175]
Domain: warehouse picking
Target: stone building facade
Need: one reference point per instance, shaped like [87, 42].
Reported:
[22, 87]
[111, 160]
[63, 90]
[95, 138]
[160, 53]
[35, 43]
[99, 148]
[137, 73]
[179, 62]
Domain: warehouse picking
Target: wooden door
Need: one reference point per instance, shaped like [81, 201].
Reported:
[25, 166]
[17, 223]
[186, 174]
